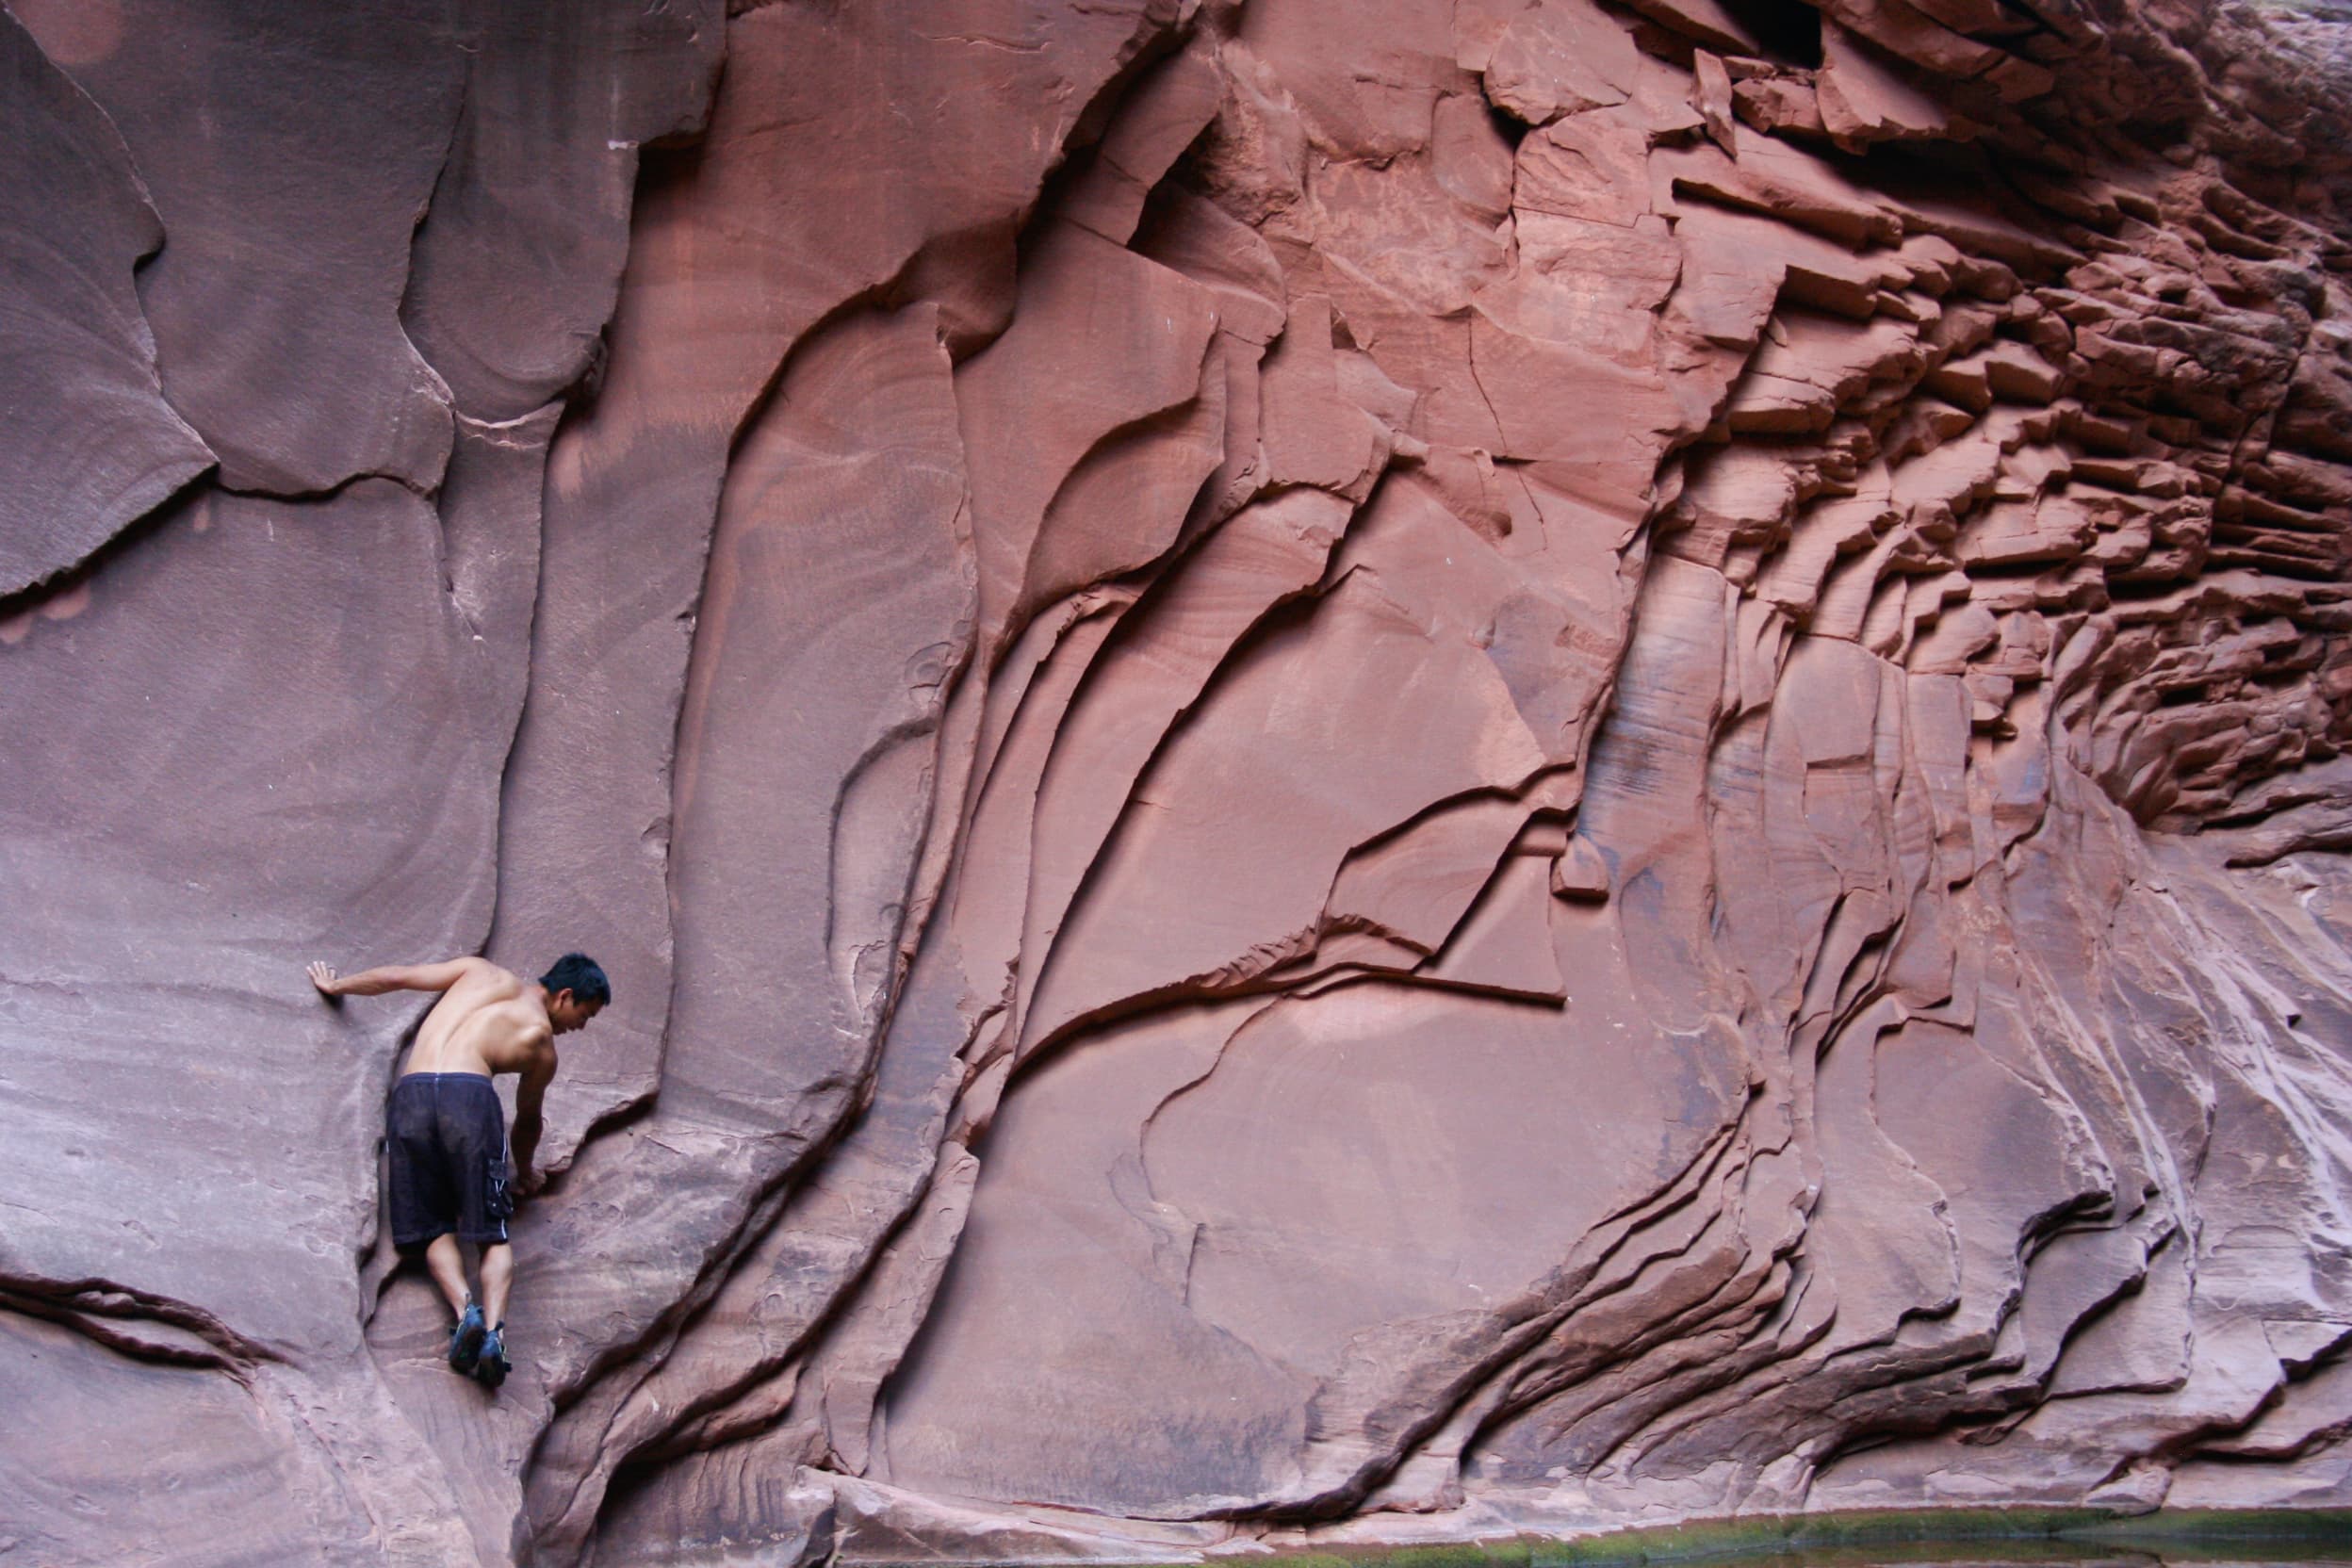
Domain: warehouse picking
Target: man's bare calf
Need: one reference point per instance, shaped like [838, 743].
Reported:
[445, 1131]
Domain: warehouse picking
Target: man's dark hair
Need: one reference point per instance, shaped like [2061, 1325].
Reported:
[583, 977]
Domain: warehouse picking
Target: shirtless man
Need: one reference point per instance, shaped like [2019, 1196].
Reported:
[447, 1135]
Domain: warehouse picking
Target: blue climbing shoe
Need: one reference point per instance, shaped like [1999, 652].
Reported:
[466, 1338]
[491, 1369]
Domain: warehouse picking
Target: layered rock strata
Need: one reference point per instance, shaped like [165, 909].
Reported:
[1352, 773]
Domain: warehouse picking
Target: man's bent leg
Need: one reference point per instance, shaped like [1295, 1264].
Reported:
[447, 1266]
[498, 1276]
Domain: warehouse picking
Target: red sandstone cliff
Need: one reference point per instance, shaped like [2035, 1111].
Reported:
[1352, 770]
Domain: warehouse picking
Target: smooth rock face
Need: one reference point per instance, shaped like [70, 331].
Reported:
[1444, 767]
[91, 444]
[286, 218]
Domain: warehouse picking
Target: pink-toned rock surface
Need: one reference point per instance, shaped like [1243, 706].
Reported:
[1353, 773]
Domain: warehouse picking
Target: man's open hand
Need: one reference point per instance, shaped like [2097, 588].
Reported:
[323, 977]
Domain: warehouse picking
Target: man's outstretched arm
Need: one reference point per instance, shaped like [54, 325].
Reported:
[392, 977]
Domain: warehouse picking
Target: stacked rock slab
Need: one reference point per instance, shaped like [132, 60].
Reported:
[1355, 773]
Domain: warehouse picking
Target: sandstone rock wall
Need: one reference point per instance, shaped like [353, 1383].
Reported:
[1354, 770]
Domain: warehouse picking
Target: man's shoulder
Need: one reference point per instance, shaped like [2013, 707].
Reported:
[539, 1060]
[481, 972]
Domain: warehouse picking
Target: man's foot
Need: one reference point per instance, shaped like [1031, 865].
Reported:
[466, 1340]
[490, 1370]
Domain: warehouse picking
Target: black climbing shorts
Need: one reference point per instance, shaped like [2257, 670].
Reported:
[446, 1133]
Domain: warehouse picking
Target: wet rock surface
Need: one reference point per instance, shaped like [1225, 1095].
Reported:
[1353, 773]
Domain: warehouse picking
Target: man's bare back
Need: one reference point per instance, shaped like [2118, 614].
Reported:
[491, 1021]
